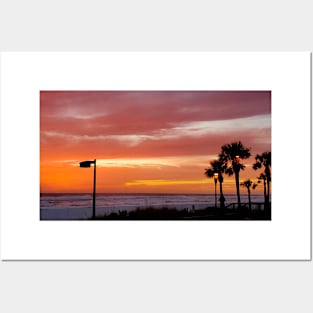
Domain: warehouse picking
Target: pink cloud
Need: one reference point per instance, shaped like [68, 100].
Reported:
[143, 124]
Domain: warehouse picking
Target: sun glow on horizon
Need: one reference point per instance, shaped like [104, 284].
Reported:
[162, 182]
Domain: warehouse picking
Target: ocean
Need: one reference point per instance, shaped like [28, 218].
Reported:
[79, 205]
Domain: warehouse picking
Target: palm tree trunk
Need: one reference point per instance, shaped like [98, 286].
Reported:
[265, 192]
[268, 208]
[249, 197]
[237, 187]
[267, 204]
[222, 199]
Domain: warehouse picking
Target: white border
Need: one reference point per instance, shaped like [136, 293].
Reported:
[23, 75]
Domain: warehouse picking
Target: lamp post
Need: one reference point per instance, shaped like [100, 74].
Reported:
[215, 182]
[87, 164]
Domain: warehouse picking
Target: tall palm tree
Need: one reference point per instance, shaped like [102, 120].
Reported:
[260, 178]
[218, 167]
[248, 184]
[265, 160]
[230, 155]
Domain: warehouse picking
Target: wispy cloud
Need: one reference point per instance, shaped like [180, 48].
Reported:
[162, 182]
[189, 129]
[200, 128]
[128, 139]
[161, 162]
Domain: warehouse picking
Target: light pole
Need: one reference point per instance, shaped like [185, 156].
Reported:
[215, 182]
[87, 164]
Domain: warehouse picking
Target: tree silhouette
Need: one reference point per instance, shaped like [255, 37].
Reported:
[218, 167]
[231, 154]
[265, 160]
[260, 178]
[248, 184]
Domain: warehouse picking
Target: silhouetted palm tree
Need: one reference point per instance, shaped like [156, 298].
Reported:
[265, 160]
[260, 178]
[248, 184]
[231, 154]
[219, 168]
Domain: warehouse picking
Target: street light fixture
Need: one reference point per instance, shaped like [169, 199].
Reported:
[87, 164]
[215, 182]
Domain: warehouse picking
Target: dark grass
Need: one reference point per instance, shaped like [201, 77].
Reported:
[170, 214]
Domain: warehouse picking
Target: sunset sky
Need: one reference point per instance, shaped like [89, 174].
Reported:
[147, 141]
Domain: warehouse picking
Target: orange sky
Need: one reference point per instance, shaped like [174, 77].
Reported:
[147, 141]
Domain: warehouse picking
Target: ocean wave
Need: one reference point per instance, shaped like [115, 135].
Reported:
[135, 200]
